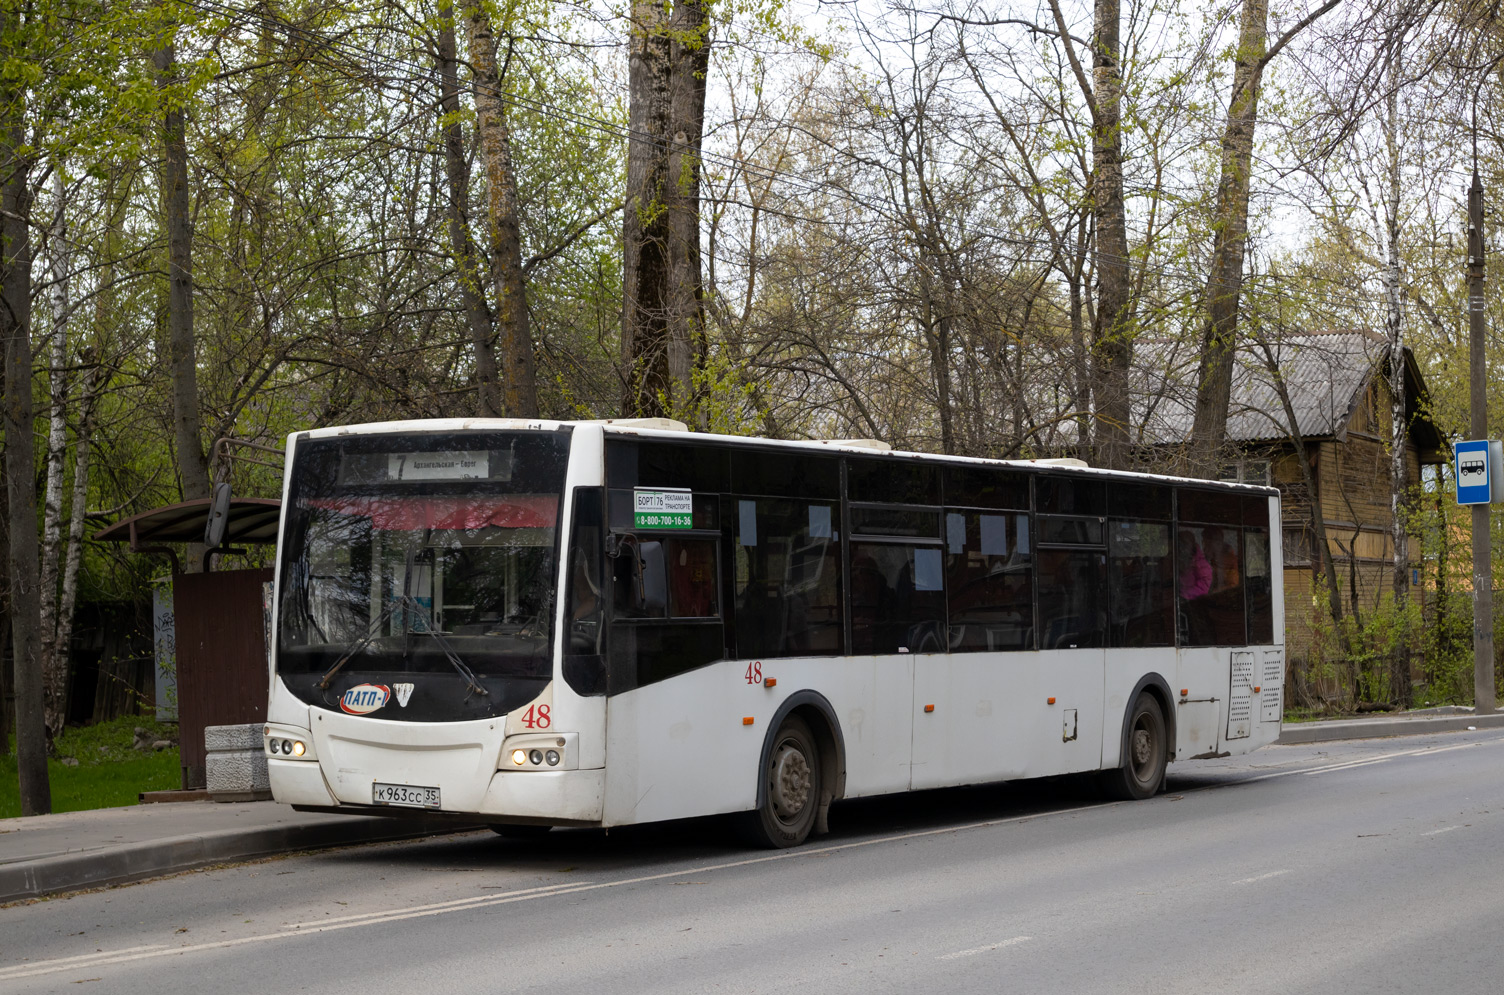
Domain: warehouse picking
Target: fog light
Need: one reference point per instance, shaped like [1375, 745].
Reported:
[519, 757]
[271, 746]
[536, 757]
[298, 749]
[287, 746]
[553, 758]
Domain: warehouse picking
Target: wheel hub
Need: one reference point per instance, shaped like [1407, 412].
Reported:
[790, 782]
[1141, 744]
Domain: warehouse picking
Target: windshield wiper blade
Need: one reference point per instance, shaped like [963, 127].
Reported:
[407, 603]
[453, 657]
[360, 644]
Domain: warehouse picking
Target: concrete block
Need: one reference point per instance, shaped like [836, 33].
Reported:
[235, 764]
[246, 736]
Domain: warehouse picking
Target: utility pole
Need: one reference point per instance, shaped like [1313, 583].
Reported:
[1483, 574]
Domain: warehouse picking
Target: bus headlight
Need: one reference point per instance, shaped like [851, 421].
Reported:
[540, 751]
[288, 743]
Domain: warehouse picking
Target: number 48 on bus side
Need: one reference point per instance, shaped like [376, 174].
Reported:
[754, 672]
[536, 717]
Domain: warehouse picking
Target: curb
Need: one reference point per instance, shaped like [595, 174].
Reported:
[107, 867]
[1376, 728]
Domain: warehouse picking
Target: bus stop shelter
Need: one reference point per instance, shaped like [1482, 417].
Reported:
[219, 618]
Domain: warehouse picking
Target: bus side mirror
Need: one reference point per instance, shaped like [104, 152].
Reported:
[219, 515]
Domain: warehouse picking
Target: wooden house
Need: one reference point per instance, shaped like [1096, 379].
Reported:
[1337, 388]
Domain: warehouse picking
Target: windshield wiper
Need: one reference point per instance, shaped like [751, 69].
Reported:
[360, 643]
[407, 603]
[454, 658]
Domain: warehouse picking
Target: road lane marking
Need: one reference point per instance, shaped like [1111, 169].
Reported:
[987, 949]
[82, 960]
[1262, 877]
[442, 906]
[131, 954]
[1363, 762]
[1438, 832]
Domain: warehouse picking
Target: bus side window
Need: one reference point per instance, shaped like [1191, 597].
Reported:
[1141, 583]
[584, 665]
[897, 598]
[692, 578]
[639, 580]
[1210, 578]
[989, 579]
[665, 608]
[1258, 584]
[1071, 614]
[787, 578]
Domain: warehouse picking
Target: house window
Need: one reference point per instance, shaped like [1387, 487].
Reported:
[1248, 471]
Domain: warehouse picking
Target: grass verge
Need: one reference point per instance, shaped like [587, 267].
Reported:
[109, 771]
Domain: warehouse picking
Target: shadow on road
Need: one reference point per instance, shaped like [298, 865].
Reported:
[715, 838]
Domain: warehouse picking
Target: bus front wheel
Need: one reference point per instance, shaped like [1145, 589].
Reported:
[1145, 753]
[790, 789]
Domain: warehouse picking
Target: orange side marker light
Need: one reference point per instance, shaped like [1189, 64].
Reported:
[1050, 701]
[746, 720]
[1185, 692]
[929, 708]
[1257, 689]
[771, 682]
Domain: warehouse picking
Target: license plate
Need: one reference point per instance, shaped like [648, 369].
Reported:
[408, 795]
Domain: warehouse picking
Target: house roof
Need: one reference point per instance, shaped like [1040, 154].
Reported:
[1325, 374]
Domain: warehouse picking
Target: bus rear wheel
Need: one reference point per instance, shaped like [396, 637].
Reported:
[1145, 753]
[790, 789]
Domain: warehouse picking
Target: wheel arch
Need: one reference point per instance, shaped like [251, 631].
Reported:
[818, 714]
[1155, 685]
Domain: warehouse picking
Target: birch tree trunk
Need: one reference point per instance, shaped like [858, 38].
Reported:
[193, 466]
[519, 384]
[1112, 330]
[55, 654]
[1224, 286]
[20, 435]
[1399, 675]
[79, 505]
[467, 260]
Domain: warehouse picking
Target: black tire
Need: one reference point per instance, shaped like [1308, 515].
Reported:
[1145, 754]
[514, 831]
[790, 786]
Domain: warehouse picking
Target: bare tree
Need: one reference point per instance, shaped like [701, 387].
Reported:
[519, 381]
[181, 348]
[20, 479]
[663, 318]
[467, 261]
[1224, 282]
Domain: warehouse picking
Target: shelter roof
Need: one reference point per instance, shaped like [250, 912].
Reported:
[250, 520]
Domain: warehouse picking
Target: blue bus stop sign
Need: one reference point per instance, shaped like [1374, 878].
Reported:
[1472, 472]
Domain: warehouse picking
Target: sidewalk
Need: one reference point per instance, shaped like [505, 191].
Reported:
[1452, 718]
[50, 854]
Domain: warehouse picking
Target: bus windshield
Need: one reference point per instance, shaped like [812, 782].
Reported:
[421, 554]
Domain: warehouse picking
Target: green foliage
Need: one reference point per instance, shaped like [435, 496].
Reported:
[109, 772]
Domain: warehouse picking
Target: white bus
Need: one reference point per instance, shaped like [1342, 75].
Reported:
[538, 623]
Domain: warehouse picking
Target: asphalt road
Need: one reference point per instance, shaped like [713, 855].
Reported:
[1367, 867]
